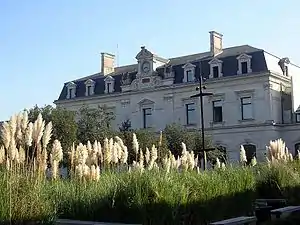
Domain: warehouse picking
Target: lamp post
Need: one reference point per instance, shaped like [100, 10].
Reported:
[200, 95]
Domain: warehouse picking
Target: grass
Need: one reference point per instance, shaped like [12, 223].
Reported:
[149, 198]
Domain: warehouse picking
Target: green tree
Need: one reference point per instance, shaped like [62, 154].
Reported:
[146, 138]
[63, 122]
[94, 124]
[176, 134]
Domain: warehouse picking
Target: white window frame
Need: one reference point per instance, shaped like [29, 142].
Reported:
[244, 58]
[89, 83]
[215, 62]
[244, 94]
[109, 80]
[71, 86]
[242, 107]
[188, 67]
[187, 114]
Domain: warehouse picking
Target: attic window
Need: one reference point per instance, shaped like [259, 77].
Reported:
[189, 72]
[71, 90]
[109, 84]
[244, 64]
[215, 68]
[283, 63]
[89, 87]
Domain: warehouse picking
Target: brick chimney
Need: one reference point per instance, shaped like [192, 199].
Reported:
[216, 43]
[107, 63]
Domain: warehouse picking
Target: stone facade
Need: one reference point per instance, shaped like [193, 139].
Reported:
[251, 102]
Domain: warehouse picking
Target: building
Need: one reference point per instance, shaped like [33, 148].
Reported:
[252, 100]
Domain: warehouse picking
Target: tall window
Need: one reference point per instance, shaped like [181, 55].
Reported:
[89, 90]
[244, 67]
[190, 114]
[250, 152]
[147, 117]
[71, 92]
[215, 71]
[246, 106]
[297, 117]
[217, 111]
[108, 87]
[189, 76]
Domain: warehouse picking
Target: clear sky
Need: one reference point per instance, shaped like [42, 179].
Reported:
[46, 43]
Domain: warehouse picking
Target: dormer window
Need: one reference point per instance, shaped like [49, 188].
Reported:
[189, 72]
[244, 64]
[283, 63]
[71, 90]
[215, 68]
[89, 87]
[109, 84]
[189, 76]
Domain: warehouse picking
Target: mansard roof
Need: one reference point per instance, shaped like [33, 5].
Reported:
[228, 56]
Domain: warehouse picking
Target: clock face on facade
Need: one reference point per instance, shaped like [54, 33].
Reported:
[146, 67]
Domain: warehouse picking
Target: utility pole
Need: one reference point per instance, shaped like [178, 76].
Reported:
[200, 95]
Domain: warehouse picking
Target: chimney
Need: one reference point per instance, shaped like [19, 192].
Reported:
[216, 43]
[107, 63]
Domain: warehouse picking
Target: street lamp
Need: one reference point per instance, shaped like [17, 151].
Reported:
[200, 95]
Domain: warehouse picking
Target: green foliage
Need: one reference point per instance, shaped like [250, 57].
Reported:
[94, 124]
[176, 134]
[149, 198]
[63, 121]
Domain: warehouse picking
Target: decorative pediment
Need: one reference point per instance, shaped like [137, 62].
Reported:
[146, 101]
[144, 53]
[89, 82]
[71, 85]
[215, 61]
[243, 56]
[188, 65]
[109, 78]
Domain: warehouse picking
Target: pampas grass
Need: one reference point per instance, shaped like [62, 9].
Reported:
[101, 184]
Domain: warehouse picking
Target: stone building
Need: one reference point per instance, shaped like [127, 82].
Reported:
[252, 101]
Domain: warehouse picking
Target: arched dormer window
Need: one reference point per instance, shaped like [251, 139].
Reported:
[109, 84]
[71, 90]
[244, 64]
[89, 87]
[215, 68]
[189, 73]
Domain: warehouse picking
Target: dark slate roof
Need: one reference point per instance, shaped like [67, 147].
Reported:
[229, 67]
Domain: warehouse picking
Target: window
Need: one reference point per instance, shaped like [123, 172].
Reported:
[71, 90]
[215, 71]
[109, 84]
[217, 111]
[244, 64]
[215, 68]
[244, 67]
[250, 152]
[70, 94]
[188, 72]
[189, 76]
[108, 87]
[147, 117]
[89, 87]
[89, 90]
[297, 117]
[246, 106]
[190, 114]
[286, 70]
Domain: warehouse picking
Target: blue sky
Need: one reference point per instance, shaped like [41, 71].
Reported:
[45, 43]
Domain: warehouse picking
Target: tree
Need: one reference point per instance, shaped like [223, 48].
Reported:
[63, 122]
[176, 134]
[94, 124]
[146, 138]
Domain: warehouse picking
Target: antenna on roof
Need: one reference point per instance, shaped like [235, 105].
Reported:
[117, 55]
